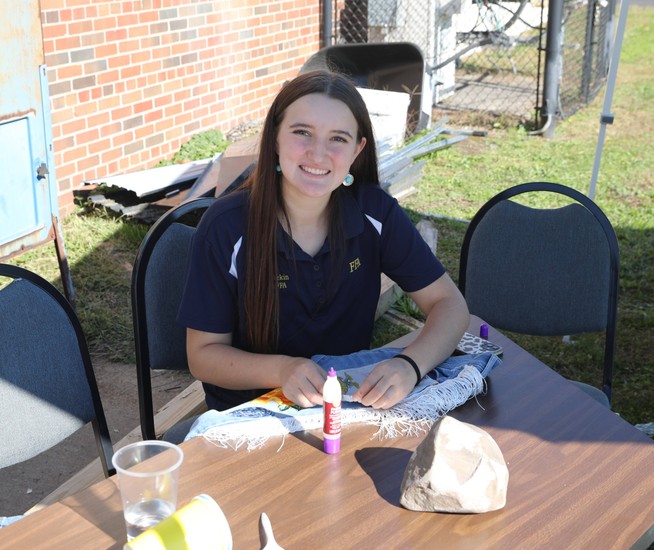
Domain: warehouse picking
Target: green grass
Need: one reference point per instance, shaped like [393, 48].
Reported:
[457, 181]
[200, 146]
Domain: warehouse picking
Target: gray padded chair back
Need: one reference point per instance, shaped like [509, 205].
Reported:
[164, 281]
[47, 386]
[543, 271]
[539, 272]
[157, 285]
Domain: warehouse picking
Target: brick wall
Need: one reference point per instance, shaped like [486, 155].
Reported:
[130, 81]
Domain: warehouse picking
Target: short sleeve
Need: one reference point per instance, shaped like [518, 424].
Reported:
[406, 257]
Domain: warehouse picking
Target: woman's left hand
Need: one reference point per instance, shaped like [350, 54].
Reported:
[386, 385]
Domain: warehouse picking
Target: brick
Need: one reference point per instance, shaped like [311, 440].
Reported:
[119, 61]
[163, 100]
[190, 34]
[92, 39]
[104, 23]
[168, 14]
[88, 162]
[148, 16]
[128, 19]
[85, 107]
[205, 8]
[133, 147]
[65, 72]
[143, 131]
[128, 45]
[67, 43]
[50, 16]
[158, 27]
[178, 24]
[106, 50]
[171, 62]
[54, 31]
[116, 35]
[108, 153]
[83, 82]
[150, 42]
[88, 136]
[80, 26]
[143, 106]
[138, 32]
[130, 72]
[122, 112]
[100, 147]
[108, 77]
[133, 122]
[98, 119]
[153, 140]
[71, 155]
[122, 139]
[54, 59]
[140, 56]
[95, 66]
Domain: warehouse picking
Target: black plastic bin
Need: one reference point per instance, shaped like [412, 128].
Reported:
[394, 67]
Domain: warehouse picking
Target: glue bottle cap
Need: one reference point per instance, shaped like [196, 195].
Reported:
[483, 331]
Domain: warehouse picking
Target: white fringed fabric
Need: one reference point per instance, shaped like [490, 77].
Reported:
[271, 415]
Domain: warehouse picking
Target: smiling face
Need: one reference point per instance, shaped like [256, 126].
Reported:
[316, 145]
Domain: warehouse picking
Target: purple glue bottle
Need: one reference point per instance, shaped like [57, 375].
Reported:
[483, 331]
[332, 396]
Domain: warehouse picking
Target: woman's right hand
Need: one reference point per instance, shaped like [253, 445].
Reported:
[302, 382]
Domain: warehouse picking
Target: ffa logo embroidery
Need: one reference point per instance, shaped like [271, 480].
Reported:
[281, 281]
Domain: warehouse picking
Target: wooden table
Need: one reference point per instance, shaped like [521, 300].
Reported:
[580, 477]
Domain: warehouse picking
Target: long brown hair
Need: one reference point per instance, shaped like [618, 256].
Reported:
[261, 291]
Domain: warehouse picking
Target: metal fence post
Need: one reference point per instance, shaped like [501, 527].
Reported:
[553, 59]
[327, 37]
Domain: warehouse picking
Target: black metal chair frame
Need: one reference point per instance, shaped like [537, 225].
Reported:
[139, 309]
[99, 423]
[612, 241]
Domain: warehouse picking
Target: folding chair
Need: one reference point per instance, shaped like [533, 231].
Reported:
[157, 284]
[544, 271]
[48, 388]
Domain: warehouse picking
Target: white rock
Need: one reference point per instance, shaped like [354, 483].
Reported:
[457, 468]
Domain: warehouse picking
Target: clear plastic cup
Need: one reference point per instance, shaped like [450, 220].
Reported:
[148, 473]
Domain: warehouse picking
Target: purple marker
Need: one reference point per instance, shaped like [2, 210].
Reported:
[483, 331]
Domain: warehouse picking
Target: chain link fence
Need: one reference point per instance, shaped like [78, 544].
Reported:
[488, 56]
[585, 45]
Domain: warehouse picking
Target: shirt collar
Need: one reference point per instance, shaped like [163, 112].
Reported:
[352, 224]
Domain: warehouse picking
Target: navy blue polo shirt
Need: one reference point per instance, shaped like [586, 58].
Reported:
[324, 308]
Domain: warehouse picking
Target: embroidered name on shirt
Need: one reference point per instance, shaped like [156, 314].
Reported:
[281, 281]
[355, 264]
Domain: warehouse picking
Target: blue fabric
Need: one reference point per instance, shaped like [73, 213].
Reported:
[324, 308]
[8, 520]
[449, 368]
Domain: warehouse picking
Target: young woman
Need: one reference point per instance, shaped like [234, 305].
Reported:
[289, 266]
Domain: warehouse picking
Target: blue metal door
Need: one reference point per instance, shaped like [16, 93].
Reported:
[28, 189]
